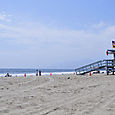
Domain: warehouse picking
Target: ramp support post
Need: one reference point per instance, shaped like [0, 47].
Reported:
[107, 70]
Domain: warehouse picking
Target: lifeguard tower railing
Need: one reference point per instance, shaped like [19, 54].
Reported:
[109, 65]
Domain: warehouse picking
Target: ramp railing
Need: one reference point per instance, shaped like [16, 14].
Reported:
[92, 67]
[108, 64]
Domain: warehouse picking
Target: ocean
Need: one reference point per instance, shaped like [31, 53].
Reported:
[31, 72]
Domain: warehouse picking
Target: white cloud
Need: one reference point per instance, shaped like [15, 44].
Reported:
[5, 17]
[28, 35]
[50, 44]
[45, 33]
[99, 25]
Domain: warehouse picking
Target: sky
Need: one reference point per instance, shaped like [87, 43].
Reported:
[58, 34]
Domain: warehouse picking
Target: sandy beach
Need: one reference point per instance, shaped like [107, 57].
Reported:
[58, 95]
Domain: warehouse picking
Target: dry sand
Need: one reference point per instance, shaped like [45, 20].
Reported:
[58, 95]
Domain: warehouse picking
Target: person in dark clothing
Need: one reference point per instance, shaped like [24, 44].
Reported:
[8, 75]
[37, 72]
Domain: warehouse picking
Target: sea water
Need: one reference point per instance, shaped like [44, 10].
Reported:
[32, 72]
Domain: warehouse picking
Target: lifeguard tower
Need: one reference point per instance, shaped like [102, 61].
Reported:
[108, 64]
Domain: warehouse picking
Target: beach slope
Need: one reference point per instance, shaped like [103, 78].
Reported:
[58, 95]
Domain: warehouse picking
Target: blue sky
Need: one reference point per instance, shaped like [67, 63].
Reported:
[55, 33]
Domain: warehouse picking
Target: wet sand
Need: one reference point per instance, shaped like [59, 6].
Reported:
[58, 95]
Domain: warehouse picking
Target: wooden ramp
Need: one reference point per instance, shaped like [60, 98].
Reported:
[96, 66]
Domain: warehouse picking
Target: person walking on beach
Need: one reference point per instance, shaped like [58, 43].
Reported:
[37, 72]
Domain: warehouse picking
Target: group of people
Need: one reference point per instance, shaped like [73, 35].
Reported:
[38, 72]
[8, 75]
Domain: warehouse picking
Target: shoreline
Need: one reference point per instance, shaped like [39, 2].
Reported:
[34, 74]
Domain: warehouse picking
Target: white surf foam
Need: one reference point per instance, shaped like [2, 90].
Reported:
[34, 74]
